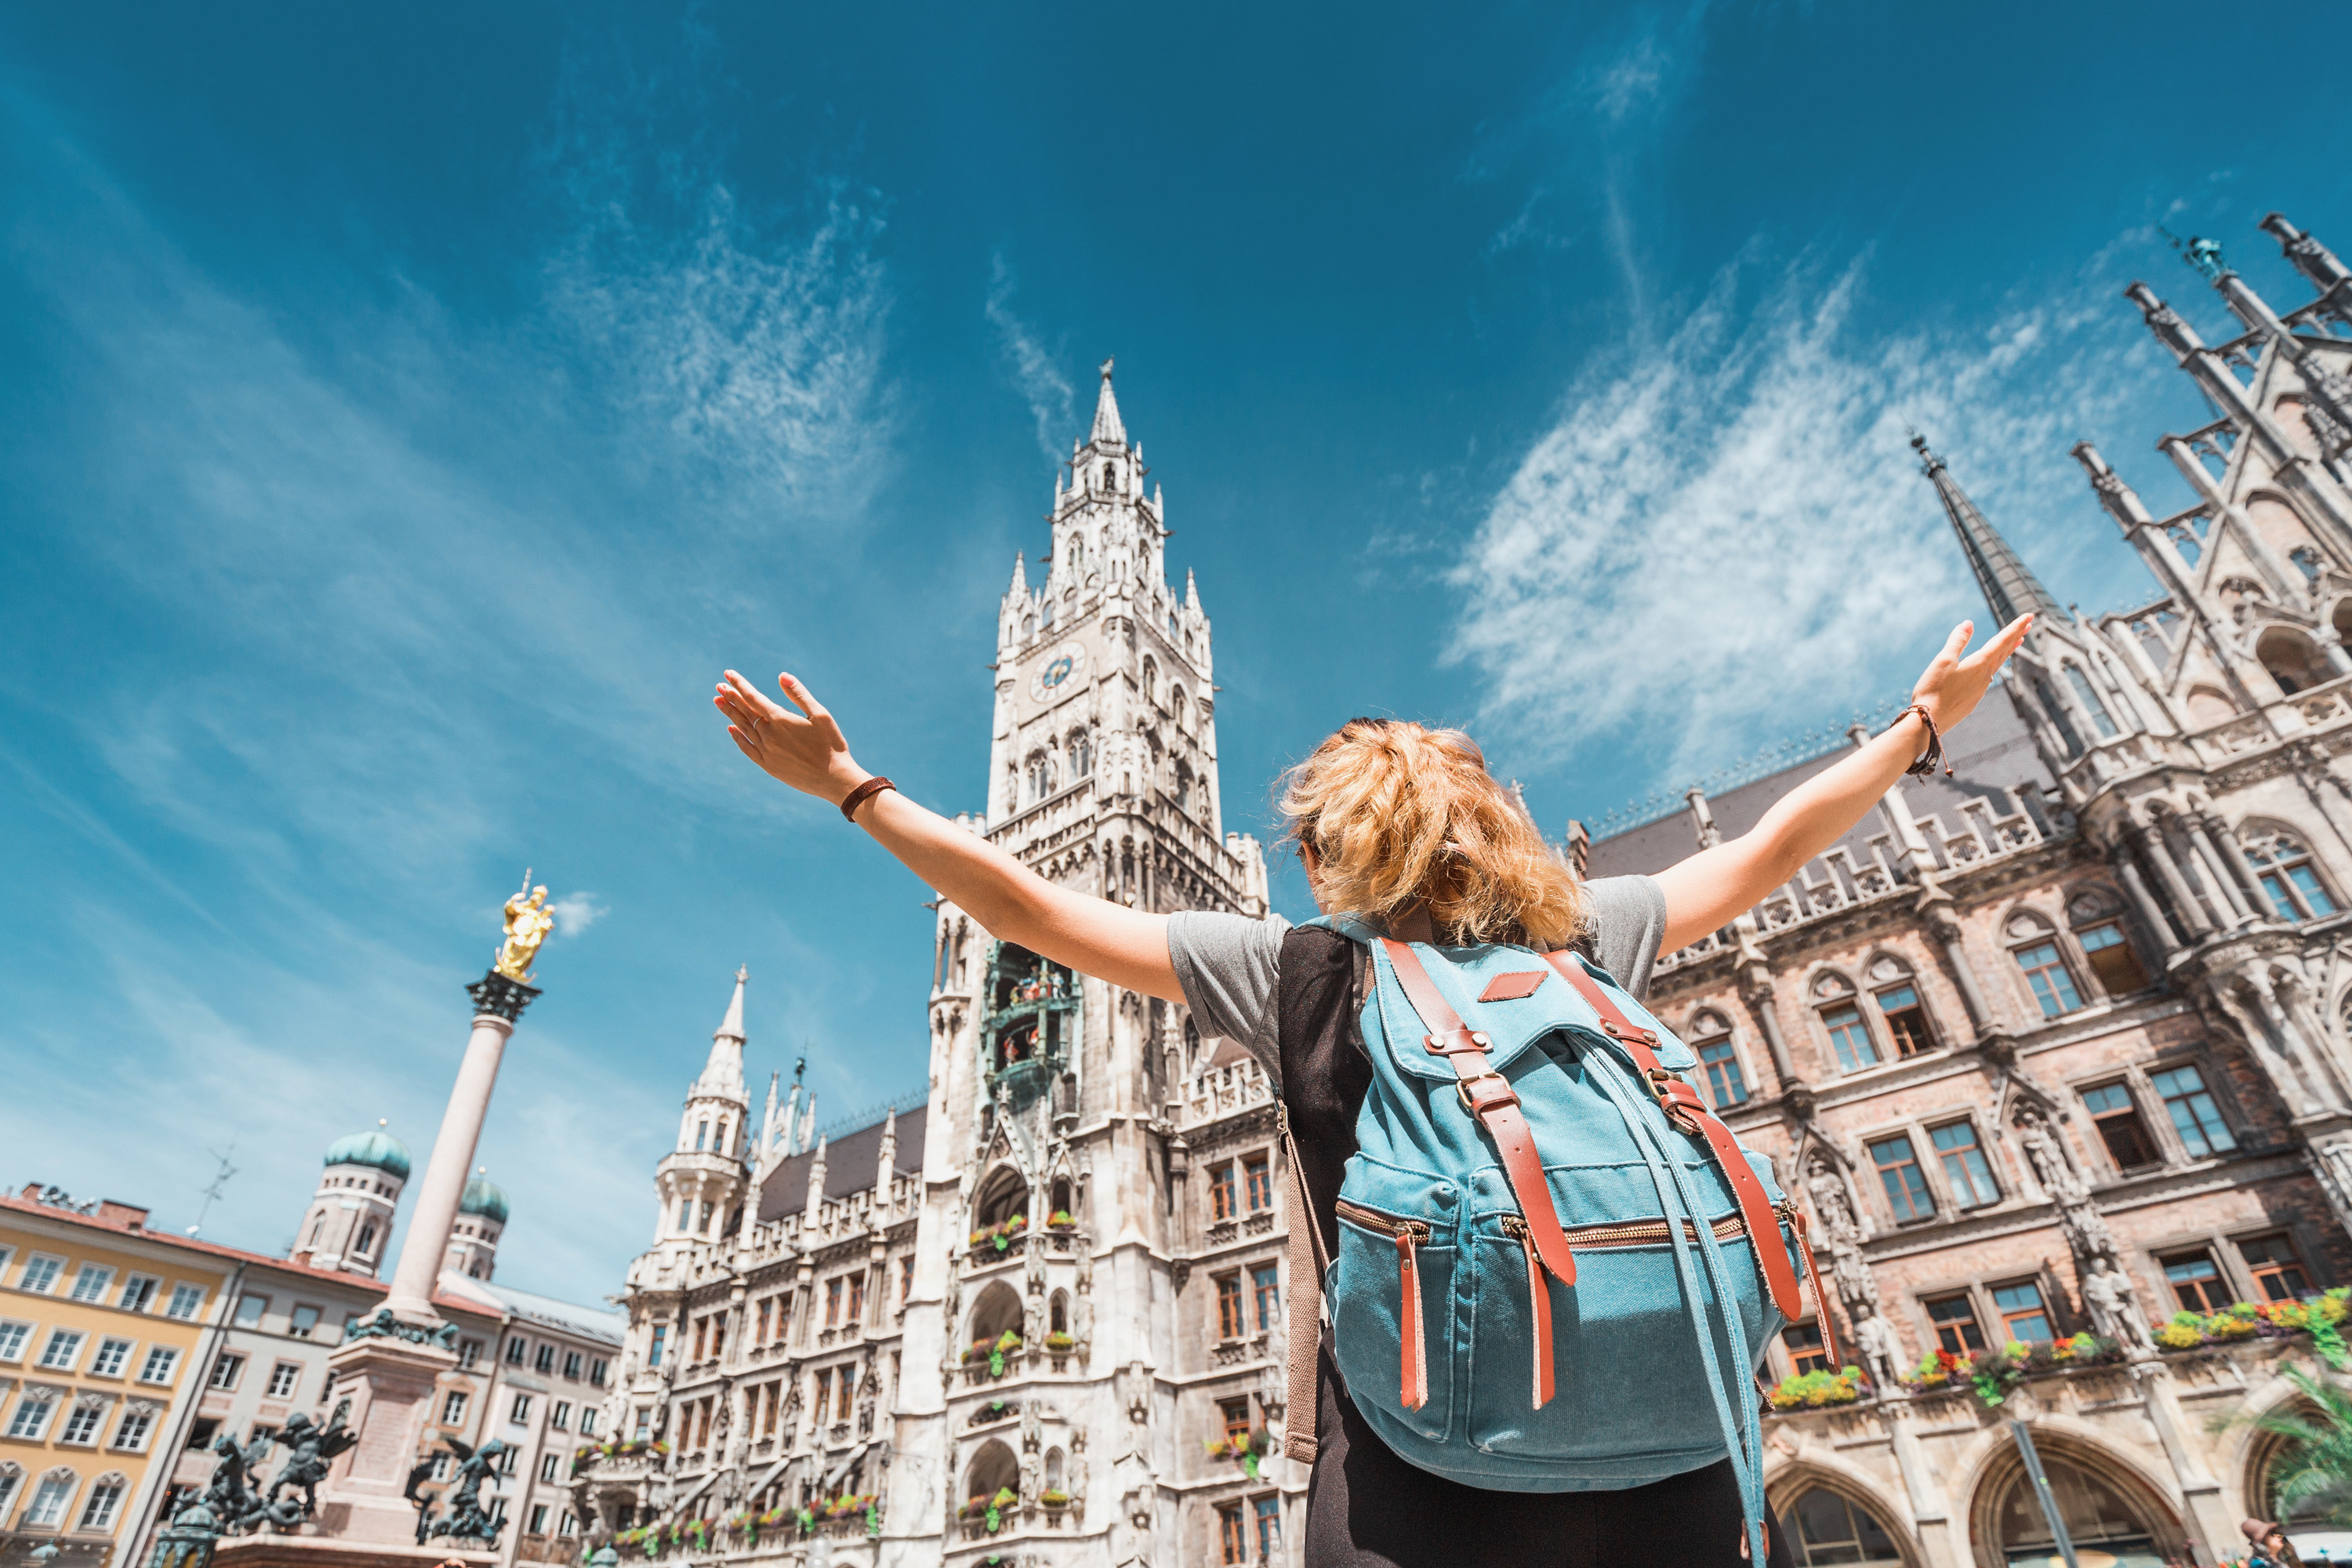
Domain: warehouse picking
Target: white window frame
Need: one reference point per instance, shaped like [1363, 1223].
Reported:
[301, 1331]
[48, 1283]
[289, 1372]
[537, 1525]
[169, 1371]
[130, 1283]
[239, 1319]
[74, 1339]
[453, 1409]
[122, 1368]
[547, 1463]
[518, 1415]
[234, 1361]
[46, 1399]
[16, 1339]
[181, 1289]
[114, 1481]
[64, 1501]
[94, 1408]
[140, 1410]
[560, 1418]
[92, 1282]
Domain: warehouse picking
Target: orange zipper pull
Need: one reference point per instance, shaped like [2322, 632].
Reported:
[1539, 1299]
[1413, 1369]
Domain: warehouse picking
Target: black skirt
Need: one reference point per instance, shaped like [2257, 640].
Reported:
[1368, 1509]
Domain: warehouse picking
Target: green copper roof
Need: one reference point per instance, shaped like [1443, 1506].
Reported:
[484, 1197]
[373, 1147]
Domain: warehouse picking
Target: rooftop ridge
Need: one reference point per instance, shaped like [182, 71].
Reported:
[857, 1120]
[1790, 751]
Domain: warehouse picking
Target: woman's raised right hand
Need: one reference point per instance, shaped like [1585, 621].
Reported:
[805, 750]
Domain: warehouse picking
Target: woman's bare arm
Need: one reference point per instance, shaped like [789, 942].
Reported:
[1716, 886]
[1092, 935]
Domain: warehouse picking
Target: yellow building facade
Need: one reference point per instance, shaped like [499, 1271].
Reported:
[105, 1332]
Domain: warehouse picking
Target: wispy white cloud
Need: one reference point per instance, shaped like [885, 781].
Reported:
[1726, 532]
[576, 912]
[1039, 380]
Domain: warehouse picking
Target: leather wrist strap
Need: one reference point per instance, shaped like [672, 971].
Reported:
[1926, 765]
[861, 794]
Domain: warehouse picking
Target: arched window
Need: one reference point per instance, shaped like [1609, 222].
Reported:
[2088, 696]
[51, 1500]
[2294, 661]
[1054, 1470]
[1184, 787]
[1061, 1196]
[12, 1477]
[1711, 1037]
[2057, 714]
[1150, 681]
[2039, 957]
[1176, 705]
[1057, 1314]
[1823, 1528]
[2104, 1510]
[2285, 868]
[1082, 755]
[366, 1243]
[1002, 1196]
[996, 1313]
[2098, 923]
[1842, 1019]
[1077, 550]
[1896, 991]
[1110, 480]
[1046, 615]
[1028, 626]
[994, 1470]
[2208, 706]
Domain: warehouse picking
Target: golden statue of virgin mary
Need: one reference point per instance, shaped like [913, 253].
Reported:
[529, 921]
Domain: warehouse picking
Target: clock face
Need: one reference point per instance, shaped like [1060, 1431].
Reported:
[1061, 665]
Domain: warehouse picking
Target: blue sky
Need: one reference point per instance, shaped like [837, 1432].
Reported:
[407, 413]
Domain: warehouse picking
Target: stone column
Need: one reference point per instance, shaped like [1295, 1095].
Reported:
[2223, 897]
[2202, 1492]
[1756, 990]
[2258, 898]
[1931, 1514]
[2151, 912]
[390, 1382]
[1945, 926]
[2160, 856]
[498, 1002]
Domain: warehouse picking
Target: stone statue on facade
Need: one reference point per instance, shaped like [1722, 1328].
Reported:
[2051, 1166]
[1882, 1357]
[1033, 1470]
[1842, 1233]
[529, 921]
[1082, 1322]
[2113, 1299]
[1033, 1324]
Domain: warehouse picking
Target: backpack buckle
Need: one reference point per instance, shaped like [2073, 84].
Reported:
[1676, 1098]
[1454, 1041]
[1505, 1095]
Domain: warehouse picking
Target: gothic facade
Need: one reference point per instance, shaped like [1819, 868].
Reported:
[2056, 1044]
[2059, 1044]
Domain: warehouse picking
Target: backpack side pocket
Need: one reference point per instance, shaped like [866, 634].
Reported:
[1391, 1293]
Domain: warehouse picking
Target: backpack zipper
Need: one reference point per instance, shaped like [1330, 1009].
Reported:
[1387, 1224]
[1412, 1358]
[1634, 1233]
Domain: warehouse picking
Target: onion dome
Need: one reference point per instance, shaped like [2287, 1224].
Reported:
[375, 1148]
[484, 1197]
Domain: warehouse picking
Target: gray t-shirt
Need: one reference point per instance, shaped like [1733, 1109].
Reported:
[1230, 964]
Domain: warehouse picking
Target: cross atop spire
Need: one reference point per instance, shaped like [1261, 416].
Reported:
[2011, 588]
[1108, 430]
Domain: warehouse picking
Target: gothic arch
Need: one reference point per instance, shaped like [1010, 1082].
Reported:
[2293, 658]
[1787, 1490]
[2254, 1453]
[1001, 1195]
[2104, 1495]
[993, 1469]
[2210, 705]
[994, 1310]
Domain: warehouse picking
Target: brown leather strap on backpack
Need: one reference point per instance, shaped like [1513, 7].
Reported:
[1487, 1096]
[1305, 1305]
[1690, 1115]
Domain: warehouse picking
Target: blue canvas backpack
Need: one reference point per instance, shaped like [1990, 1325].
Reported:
[1556, 1269]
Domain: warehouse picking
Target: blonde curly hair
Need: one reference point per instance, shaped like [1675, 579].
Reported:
[1398, 814]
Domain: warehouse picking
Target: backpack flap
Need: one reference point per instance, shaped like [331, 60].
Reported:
[1508, 994]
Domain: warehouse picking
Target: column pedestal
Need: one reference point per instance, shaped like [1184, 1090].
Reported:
[391, 1384]
[271, 1550]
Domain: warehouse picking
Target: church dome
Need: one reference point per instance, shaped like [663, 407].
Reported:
[375, 1148]
[484, 1197]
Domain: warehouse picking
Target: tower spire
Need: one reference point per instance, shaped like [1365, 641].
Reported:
[2011, 588]
[722, 1075]
[1108, 430]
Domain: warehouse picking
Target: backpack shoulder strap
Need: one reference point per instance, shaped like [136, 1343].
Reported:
[1488, 1096]
[1691, 1116]
[1305, 1307]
